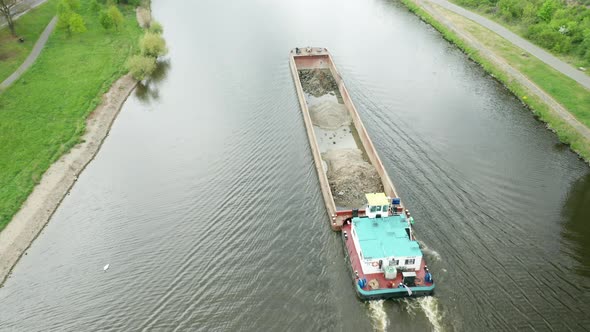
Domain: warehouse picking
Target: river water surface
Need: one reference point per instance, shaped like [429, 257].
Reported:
[205, 202]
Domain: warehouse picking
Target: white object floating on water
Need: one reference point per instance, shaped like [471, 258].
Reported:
[106, 267]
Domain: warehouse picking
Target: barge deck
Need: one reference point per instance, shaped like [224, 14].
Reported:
[320, 58]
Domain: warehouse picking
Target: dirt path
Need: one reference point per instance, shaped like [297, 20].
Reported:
[59, 178]
[32, 56]
[515, 39]
[501, 63]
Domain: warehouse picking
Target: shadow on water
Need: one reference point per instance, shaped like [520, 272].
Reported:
[147, 91]
[576, 227]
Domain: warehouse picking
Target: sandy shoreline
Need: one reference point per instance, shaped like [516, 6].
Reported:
[34, 214]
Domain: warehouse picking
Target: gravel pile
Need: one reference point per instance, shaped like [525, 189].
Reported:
[351, 177]
[318, 82]
[329, 114]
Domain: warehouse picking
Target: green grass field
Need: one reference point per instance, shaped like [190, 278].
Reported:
[29, 26]
[42, 115]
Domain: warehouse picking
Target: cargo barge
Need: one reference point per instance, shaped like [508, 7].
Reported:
[384, 256]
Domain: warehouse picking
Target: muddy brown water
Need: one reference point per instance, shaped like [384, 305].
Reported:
[205, 202]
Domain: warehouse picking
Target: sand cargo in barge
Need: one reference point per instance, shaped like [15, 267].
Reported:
[384, 256]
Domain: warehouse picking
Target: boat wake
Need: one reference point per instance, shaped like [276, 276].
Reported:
[429, 306]
[430, 252]
[378, 315]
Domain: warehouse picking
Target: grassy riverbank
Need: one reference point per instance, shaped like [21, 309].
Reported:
[561, 27]
[561, 88]
[43, 114]
[574, 97]
[29, 26]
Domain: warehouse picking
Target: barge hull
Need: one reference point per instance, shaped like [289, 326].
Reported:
[340, 220]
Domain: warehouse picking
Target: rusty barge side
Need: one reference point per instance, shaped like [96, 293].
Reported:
[320, 58]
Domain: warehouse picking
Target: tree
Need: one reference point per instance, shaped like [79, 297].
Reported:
[529, 13]
[153, 45]
[116, 16]
[73, 4]
[105, 20]
[111, 17]
[141, 66]
[68, 19]
[156, 27]
[76, 23]
[510, 9]
[71, 22]
[6, 7]
[128, 2]
[547, 9]
[94, 6]
[67, 6]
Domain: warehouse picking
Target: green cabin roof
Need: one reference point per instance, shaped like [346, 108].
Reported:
[385, 237]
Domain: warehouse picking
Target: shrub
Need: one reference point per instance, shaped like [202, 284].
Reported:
[544, 35]
[94, 6]
[141, 67]
[153, 45]
[116, 16]
[156, 27]
[110, 18]
[73, 5]
[547, 9]
[63, 7]
[105, 20]
[76, 23]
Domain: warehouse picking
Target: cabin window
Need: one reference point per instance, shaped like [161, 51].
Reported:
[378, 208]
[384, 208]
[373, 209]
[410, 261]
[394, 262]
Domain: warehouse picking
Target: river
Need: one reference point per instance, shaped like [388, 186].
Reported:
[205, 202]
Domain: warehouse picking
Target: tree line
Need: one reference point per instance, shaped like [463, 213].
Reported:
[561, 27]
[69, 18]
[151, 46]
[109, 15]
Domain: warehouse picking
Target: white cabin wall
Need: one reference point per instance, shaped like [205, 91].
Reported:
[415, 266]
[357, 247]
